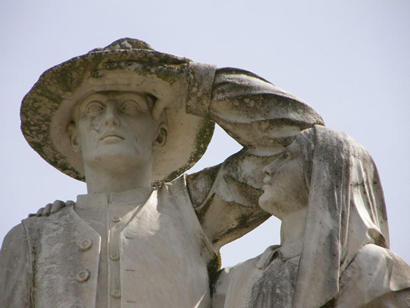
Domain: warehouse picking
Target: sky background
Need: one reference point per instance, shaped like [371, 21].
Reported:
[349, 59]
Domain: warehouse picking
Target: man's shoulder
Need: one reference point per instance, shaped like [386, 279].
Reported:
[16, 234]
[39, 221]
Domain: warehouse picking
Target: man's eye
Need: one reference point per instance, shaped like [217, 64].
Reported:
[131, 108]
[94, 108]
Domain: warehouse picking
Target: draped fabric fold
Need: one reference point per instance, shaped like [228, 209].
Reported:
[346, 211]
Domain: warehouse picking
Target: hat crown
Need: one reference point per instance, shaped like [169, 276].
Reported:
[123, 44]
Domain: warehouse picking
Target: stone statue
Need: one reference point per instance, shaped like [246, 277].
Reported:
[129, 121]
[334, 250]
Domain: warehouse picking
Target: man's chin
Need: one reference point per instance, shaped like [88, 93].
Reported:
[116, 159]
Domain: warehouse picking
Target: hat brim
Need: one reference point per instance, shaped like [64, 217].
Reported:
[46, 110]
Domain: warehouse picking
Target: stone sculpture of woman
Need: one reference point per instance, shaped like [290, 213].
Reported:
[334, 248]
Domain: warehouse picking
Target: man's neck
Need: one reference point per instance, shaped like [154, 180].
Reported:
[102, 180]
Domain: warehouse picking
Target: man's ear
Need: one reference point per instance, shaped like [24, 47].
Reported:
[72, 134]
[161, 137]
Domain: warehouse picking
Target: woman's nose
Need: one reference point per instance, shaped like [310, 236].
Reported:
[267, 175]
[267, 170]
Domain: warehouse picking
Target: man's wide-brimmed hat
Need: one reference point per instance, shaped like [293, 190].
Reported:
[125, 65]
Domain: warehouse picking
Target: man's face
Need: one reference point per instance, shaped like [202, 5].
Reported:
[115, 128]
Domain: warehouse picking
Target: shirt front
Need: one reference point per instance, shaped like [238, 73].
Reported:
[108, 214]
[153, 253]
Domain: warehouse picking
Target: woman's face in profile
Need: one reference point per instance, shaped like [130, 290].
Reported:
[284, 189]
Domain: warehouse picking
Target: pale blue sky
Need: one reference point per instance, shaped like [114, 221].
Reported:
[348, 59]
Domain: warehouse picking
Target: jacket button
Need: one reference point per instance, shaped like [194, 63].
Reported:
[116, 219]
[115, 256]
[116, 293]
[129, 235]
[85, 244]
[83, 275]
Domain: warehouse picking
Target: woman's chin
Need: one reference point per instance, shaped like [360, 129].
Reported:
[271, 205]
[266, 202]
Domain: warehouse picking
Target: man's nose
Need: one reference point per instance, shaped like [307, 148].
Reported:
[111, 117]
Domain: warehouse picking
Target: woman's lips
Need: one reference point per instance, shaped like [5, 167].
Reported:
[267, 180]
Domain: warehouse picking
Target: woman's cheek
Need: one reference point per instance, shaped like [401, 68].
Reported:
[266, 199]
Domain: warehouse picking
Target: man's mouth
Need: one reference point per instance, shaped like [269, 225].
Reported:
[111, 136]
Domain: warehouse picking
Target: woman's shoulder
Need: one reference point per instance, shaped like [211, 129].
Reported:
[375, 272]
[376, 261]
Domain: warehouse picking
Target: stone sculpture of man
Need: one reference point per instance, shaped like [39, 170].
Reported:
[129, 121]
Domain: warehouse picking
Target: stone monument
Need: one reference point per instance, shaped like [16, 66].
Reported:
[129, 120]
